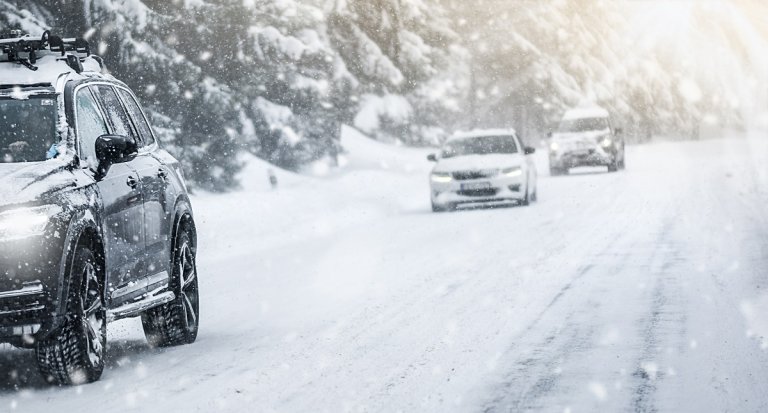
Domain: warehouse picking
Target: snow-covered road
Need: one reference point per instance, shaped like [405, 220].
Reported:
[645, 290]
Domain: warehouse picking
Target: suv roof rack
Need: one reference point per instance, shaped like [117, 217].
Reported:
[24, 50]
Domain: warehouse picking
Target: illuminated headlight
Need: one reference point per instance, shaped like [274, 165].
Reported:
[606, 142]
[22, 223]
[554, 146]
[441, 177]
[512, 172]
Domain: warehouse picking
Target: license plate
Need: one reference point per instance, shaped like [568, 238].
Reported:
[475, 186]
[584, 146]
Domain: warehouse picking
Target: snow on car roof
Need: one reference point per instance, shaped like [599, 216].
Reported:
[481, 133]
[586, 113]
[50, 69]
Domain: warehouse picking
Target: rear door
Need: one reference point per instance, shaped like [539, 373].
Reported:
[120, 188]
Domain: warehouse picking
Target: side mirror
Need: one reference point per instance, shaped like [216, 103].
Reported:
[618, 131]
[529, 150]
[432, 157]
[114, 149]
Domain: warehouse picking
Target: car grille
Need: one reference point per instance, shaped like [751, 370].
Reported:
[22, 310]
[479, 192]
[470, 175]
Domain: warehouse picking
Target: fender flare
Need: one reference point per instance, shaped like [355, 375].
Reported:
[78, 225]
[183, 214]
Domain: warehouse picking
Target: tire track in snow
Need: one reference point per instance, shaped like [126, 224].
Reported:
[538, 375]
[539, 381]
[664, 324]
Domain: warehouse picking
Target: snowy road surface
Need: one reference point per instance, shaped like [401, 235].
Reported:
[645, 290]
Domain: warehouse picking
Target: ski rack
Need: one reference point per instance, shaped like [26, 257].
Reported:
[24, 50]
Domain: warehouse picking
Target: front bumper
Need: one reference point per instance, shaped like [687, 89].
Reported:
[22, 311]
[597, 156]
[498, 189]
[30, 288]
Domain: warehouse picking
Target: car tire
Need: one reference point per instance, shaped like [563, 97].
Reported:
[527, 198]
[623, 163]
[75, 353]
[176, 323]
[613, 166]
[437, 208]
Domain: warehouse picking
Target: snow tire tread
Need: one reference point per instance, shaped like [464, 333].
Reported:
[60, 358]
[165, 325]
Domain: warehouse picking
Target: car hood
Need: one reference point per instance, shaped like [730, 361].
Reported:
[478, 162]
[22, 183]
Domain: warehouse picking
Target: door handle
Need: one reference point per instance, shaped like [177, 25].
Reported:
[132, 182]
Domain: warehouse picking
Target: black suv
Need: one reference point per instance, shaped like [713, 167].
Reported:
[95, 221]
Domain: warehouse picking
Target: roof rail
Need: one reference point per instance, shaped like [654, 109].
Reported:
[24, 50]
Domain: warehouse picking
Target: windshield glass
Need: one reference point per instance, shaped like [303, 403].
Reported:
[486, 145]
[583, 125]
[27, 129]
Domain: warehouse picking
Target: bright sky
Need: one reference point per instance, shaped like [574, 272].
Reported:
[713, 39]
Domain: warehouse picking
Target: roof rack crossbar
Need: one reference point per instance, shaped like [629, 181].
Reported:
[16, 45]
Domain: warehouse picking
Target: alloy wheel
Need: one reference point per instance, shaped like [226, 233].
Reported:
[190, 298]
[94, 315]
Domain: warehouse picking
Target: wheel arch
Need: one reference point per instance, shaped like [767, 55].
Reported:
[83, 229]
[183, 219]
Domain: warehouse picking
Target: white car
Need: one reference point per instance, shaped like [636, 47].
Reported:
[490, 166]
[586, 137]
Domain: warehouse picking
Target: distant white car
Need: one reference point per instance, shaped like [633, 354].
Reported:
[490, 166]
[586, 137]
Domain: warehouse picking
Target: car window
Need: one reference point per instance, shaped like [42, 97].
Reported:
[145, 132]
[27, 129]
[583, 125]
[116, 113]
[485, 145]
[90, 124]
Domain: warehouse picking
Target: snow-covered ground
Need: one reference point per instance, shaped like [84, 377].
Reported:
[645, 290]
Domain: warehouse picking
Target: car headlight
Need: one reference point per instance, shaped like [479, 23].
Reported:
[441, 177]
[605, 141]
[22, 223]
[512, 172]
[554, 146]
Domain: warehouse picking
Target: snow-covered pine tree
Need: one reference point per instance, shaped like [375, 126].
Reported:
[407, 63]
[533, 59]
[295, 85]
[218, 76]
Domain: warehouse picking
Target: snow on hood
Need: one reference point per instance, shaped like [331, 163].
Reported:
[28, 182]
[479, 162]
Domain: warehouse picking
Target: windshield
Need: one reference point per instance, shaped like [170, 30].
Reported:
[583, 125]
[486, 145]
[27, 129]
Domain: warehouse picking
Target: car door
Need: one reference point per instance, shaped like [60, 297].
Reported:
[159, 194]
[120, 189]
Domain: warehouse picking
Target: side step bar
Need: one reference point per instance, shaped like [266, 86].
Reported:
[135, 309]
